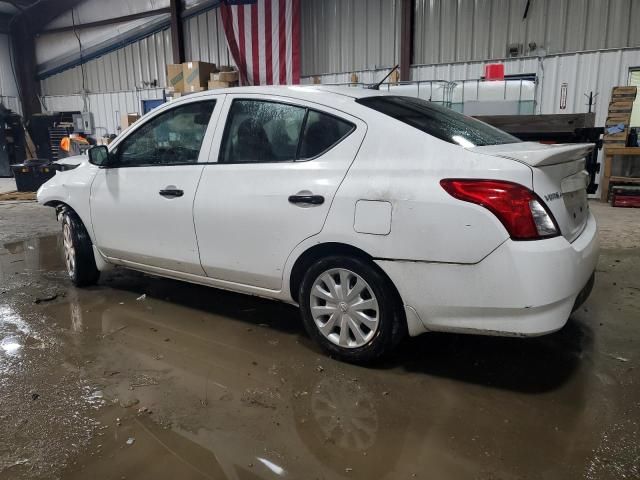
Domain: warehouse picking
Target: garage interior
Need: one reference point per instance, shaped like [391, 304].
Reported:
[141, 377]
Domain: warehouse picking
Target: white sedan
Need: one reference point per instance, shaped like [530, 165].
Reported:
[379, 215]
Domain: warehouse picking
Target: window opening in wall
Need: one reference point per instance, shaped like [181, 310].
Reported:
[634, 81]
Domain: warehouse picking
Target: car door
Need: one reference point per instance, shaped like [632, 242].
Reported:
[142, 203]
[269, 184]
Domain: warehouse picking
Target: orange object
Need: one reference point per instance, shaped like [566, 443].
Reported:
[65, 144]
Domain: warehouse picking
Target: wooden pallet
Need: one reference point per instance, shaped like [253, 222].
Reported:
[620, 107]
[607, 178]
[623, 93]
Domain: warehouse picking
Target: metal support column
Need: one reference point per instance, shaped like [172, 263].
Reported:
[406, 39]
[177, 40]
[24, 56]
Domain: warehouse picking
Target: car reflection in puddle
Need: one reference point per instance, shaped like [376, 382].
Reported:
[237, 390]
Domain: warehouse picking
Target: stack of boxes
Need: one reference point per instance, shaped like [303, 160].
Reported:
[128, 119]
[226, 77]
[192, 77]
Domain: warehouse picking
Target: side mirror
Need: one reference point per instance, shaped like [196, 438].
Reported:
[99, 155]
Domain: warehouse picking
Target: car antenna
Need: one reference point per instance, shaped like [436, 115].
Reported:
[377, 85]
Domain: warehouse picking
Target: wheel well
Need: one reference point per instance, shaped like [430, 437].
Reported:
[61, 207]
[324, 250]
[58, 205]
[315, 253]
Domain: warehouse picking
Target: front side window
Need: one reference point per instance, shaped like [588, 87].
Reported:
[260, 131]
[438, 121]
[172, 138]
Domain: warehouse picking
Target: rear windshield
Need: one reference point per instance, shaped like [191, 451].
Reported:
[438, 121]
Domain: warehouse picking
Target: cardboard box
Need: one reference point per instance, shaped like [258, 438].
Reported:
[175, 77]
[196, 75]
[226, 68]
[228, 76]
[128, 119]
[214, 84]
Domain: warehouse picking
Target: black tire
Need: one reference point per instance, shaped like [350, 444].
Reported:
[391, 323]
[82, 270]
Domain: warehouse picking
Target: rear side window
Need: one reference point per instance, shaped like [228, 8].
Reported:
[438, 121]
[321, 132]
[259, 131]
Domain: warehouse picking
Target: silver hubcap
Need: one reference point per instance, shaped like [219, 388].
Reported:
[344, 308]
[69, 251]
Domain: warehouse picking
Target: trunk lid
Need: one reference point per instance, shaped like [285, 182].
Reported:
[559, 178]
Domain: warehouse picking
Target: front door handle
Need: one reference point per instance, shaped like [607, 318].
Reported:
[307, 199]
[171, 193]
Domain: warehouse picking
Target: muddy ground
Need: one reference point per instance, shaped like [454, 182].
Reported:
[146, 378]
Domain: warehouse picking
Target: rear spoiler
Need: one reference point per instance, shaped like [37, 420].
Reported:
[538, 154]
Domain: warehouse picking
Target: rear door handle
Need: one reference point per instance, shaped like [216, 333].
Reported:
[171, 192]
[308, 199]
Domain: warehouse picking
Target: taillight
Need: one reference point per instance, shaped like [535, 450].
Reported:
[519, 209]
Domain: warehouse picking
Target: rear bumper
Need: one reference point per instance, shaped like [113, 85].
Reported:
[521, 288]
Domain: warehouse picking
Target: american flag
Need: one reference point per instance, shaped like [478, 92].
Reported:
[264, 39]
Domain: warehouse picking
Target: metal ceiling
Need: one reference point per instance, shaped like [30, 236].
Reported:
[11, 7]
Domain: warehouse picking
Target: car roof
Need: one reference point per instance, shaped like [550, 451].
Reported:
[326, 94]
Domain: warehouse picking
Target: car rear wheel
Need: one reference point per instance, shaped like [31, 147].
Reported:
[351, 309]
[78, 251]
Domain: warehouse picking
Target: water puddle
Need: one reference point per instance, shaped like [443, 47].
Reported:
[143, 374]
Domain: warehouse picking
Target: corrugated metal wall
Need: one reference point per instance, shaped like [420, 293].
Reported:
[353, 35]
[107, 108]
[127, 68]
[119, 80]
[348, 35]
[585, 72]
[139, 63]
[466, 30]
[596, 72]
[205, 40]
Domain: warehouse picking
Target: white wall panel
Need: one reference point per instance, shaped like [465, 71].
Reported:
[107, 108]
[136, 65]
[596, 72]
[51, 46]
[585, 72]
[205, 40]
[364, 77]
[466, 30]
[349, 35]
[139, 64]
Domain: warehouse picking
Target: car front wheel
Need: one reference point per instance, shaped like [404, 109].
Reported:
[351, 309]
[78, 251]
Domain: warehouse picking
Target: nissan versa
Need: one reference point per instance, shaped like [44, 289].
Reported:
[379, 215]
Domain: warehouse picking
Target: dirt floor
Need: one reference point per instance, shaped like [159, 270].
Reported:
[146, 378]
